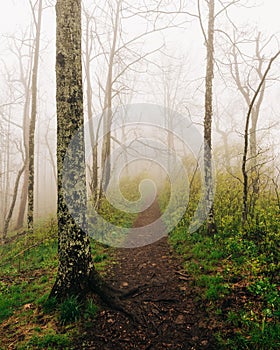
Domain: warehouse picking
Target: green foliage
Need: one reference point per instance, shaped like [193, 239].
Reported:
[50, 340]
[119, 217]
[251, 332]
[237, 256]
[26, 278]
[15, 296]
[30, 252]
[268, 292]
[6, 308]
[100, 257]
[215, 286]
[90, 310]
[70, 310]
[49, 304]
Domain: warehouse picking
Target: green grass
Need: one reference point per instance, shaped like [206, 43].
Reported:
[47, 341]
[216, 264]
[90, 310]
[70, 310]
[28, 269]
[238, 267]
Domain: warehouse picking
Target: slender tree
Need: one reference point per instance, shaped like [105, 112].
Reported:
[245, 88]
[123, 55]
[93, 171]
[12, 206]
[24, 80]
[208, 176]
[32, 124]
[246, 138]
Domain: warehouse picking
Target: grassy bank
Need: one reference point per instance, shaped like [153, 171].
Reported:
[238, 268]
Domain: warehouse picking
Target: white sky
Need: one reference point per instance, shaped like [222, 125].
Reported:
[15, 16]
[267, 15]
[15, 13]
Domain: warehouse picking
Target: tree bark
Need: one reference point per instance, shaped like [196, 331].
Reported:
[208, 172]
[76, 272]
[30, 208]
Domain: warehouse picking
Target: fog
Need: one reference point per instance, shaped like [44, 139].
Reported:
[159, 58]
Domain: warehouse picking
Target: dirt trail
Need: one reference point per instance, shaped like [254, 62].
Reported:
[166, 302]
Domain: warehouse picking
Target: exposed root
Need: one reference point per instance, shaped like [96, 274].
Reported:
[111, 296]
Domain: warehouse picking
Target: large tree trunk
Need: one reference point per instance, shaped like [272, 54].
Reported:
[208, 173]
[76, 273]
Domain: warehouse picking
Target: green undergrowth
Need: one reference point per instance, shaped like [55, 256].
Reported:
[110, 222]
[49, 340]
[28, 267]
[237, 270]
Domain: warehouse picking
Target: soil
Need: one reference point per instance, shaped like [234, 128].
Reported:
[167, 304]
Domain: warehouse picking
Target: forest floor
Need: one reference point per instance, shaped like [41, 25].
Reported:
[185, 291]
[165, 301]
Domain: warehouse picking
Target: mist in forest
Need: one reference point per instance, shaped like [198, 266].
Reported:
[133, 54]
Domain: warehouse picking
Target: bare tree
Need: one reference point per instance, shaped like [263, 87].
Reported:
[208, 172]
[19, 86]
[88, 57]
[246, 138]
[121, 54]
[244, 85]
[12, 205]
[37, 21]
[22, 83]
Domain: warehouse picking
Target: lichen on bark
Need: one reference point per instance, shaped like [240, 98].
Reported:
[76, 270]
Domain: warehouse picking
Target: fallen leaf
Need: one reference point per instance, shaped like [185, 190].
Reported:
[180, 319]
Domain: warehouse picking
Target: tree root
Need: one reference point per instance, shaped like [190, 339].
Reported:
[112, 297]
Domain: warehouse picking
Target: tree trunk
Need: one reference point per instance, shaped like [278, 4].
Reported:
[76, 273]
[253, 162]
[26, 123]
[30, 209]
[208, 172]
[246, 140]
[93, 138]
[12, 206]
[23, 200]
[107, 110]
